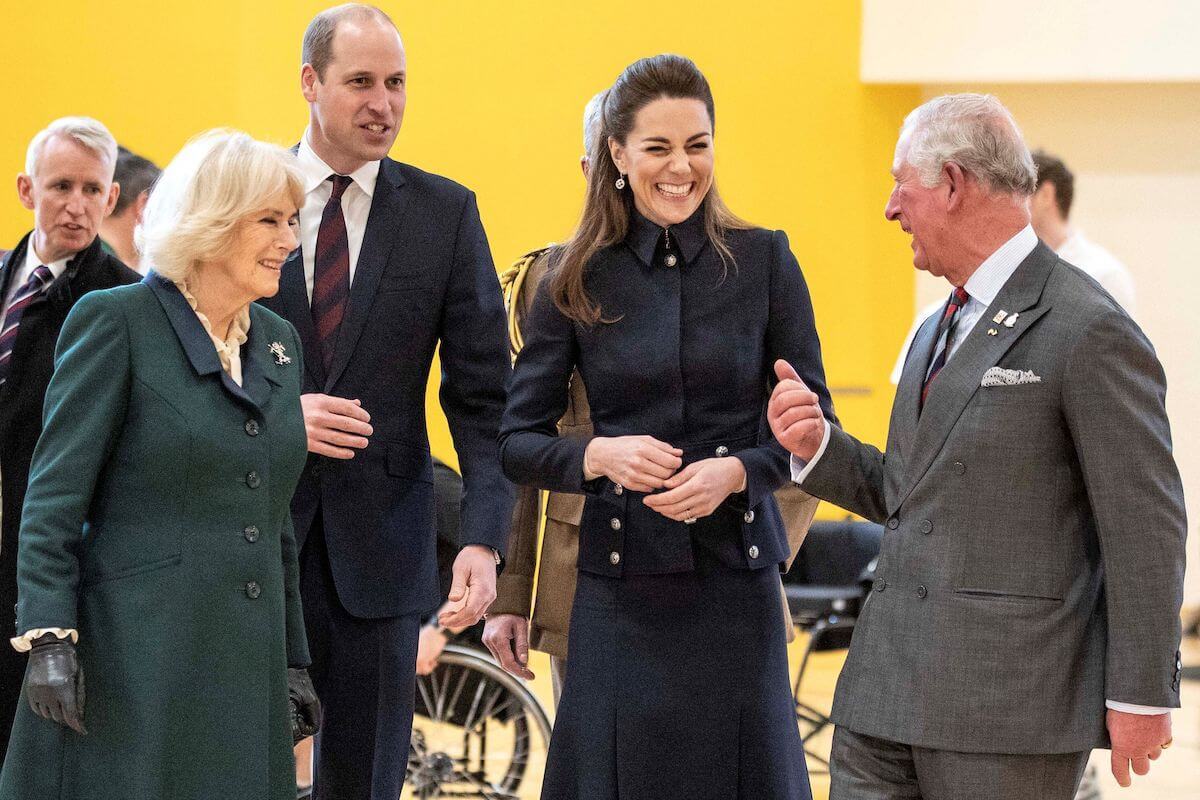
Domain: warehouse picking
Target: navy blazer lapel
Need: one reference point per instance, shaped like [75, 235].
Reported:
[293, 295]
[383, 226]
[958, 381]
[196, 342]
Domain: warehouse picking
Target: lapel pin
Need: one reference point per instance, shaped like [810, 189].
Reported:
[1000, 315]
[992, 331]
[281, 357]
[1008, 323]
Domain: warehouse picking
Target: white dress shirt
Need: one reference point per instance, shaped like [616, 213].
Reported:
[1102, 265]
[21, 275]
[983, 286]
[356, 206]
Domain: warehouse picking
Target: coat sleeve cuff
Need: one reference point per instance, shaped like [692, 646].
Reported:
[23, 644]
[1134, 708]
[513, 595]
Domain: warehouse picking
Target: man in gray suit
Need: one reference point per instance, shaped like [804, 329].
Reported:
[1026, 604]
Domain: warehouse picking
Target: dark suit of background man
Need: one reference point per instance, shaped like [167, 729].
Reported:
[68, 185]
[392, 261]
[1026, 604]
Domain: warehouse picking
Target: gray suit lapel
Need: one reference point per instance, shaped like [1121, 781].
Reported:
[958, 381]
[907, 405]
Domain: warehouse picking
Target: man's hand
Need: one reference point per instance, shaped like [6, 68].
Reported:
[430, 644]
[795, 414]
[336, 426]
[54, 681]
[1137, 739]
[640, 463]
[507, 636]
[473, 588]
[306, 708]
[698, 489]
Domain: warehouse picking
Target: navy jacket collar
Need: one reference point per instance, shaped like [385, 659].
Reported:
[644, 236]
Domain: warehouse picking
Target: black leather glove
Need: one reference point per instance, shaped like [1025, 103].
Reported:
[306, 709]
[54, 681]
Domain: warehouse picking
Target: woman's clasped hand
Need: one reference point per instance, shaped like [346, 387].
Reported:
[645, 464]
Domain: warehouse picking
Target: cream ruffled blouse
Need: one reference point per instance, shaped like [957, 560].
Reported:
[228, 350]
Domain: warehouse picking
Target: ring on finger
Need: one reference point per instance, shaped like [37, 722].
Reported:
[1167, 743]
[689, 519]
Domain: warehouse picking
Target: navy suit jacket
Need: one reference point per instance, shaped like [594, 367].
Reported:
[424, 276]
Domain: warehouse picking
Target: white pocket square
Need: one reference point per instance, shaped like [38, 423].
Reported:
[998, 376]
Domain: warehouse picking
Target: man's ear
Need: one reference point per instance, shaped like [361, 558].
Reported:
[955, 180]
[25, 190]
[114, 191]
[308, 82]
[139, 206]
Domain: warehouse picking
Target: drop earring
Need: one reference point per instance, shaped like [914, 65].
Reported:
[620, 183]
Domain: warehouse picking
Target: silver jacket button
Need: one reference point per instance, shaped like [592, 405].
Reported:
[614, 558]
[722, 451]
[615, 523]
[749, 517]
[618, 489]
[753, 551]
[670, 260]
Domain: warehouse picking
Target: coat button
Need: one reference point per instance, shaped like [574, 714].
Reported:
[253, 590]
[880, 584]
[615, 524]
[926, 526]
[748, 517]
[893, 523]
[921, 592]
[251, 533]
[618, 489]
[960, 467]
[251, 427]
[670, 260]
[722, 451]
[252, 480]
[753, 551]
[614, 558]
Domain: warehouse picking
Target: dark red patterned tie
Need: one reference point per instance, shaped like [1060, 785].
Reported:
[331, 270]
[39, 280]
[945, 329]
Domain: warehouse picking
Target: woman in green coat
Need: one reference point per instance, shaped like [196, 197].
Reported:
[157, 570]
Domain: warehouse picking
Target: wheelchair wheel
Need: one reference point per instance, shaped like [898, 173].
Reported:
[477, 732]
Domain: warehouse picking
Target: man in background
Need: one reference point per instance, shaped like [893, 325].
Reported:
[136, 176]
[68, 185]
[1050, 208]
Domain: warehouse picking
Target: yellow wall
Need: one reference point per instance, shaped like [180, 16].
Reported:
[495, 98]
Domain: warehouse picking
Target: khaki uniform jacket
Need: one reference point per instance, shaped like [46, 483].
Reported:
[543, 588]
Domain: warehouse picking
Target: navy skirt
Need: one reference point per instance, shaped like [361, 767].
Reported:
[677, 688]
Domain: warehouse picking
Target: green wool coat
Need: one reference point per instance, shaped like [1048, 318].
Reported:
[157, 525]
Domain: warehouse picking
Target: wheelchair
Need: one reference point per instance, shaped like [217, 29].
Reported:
[477, 731]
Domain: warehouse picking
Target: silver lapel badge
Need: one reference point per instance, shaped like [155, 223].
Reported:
[1000, 315]
[1012, 320]
[281, 357]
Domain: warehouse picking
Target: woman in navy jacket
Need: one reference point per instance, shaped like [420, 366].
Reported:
[673, 310]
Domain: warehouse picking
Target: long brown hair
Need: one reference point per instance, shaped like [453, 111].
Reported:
[606, 209]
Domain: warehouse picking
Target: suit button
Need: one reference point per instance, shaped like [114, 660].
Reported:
[926, 526]
[670, 260]
[748, 517]
[251, 427]
[893, 523]
[614, 558]
[722, 451]
[251, 533]
[960, 467]
[252, 480]
[921, 592]
[753, 551]
[615, 524]
[618, 489]
[880, 584]
[253, 590]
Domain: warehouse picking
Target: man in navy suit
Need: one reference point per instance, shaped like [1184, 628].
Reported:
[392, 262]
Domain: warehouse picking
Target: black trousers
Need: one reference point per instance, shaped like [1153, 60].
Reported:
[866, 768]
[364, 671]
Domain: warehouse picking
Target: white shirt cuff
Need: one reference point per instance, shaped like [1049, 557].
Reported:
[801, 468]
[23, 644]
[1133, 708]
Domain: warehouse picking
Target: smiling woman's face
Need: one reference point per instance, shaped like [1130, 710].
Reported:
[261, 243]
[667, 159]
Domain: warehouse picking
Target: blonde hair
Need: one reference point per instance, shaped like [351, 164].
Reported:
[85, 131]
[218, 178]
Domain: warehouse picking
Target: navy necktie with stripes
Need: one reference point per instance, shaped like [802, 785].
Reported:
[331, 270]
[39, 280]
[945, 337]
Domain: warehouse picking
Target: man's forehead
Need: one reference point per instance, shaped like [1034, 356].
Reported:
[64, 157]
[356, 45]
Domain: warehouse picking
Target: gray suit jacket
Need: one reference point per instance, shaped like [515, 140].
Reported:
[1032, 561]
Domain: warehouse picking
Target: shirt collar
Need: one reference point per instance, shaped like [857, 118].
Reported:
[32, 262]
[989, 278]
[316, 171]
[644, 236]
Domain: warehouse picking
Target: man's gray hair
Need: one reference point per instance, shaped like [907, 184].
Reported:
[86, 131]
[591, 121]
[318, 37]
[974, 131]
